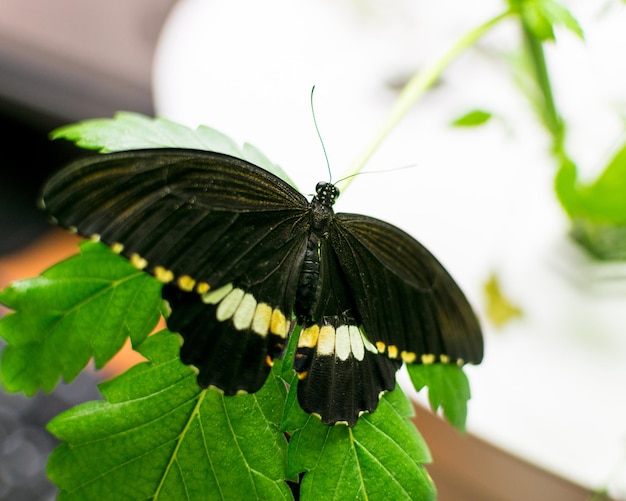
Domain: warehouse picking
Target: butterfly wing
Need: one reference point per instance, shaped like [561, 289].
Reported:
[225, 236]
[411, 308]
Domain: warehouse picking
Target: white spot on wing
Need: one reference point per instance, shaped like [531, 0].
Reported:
[342, 342]
[228, 306]
[356, 343]
[214, 297]
[245, 312]
[367, 343]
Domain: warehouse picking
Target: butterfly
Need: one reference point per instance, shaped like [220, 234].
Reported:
[243, 256]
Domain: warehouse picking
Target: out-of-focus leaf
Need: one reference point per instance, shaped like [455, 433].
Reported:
[541, 16]
[500, 309]
[472, 118]
[597, 209]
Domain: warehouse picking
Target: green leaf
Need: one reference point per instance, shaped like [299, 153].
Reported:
[597, 209]
[83, 307]
[132, 131]
[541, 16]
[382, 457]
[158, 435]
[472, 118]
[604, 200]
[500, 310]
[448, 388]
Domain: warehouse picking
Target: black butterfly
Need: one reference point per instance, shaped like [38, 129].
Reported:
[241, 252]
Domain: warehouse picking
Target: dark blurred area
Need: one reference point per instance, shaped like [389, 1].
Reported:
[60, 62]
[28, 157]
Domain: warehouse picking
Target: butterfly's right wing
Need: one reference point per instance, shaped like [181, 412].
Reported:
[225, 236]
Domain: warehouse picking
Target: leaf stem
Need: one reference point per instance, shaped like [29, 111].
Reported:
[415, 89]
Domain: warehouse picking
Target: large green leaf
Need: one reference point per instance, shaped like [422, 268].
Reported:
[132, 131]
[380, 458]
[86, 306]
[158, 435]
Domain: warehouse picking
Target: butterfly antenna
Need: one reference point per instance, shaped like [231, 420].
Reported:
[382, 171]
[330, 175]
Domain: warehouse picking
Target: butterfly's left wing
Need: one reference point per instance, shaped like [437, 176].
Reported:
[383, 300]
[411, 308]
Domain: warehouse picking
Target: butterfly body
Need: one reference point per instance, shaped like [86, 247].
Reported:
[241, 253]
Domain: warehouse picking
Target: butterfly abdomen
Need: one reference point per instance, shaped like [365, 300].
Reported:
[321, 215]
[308, 283]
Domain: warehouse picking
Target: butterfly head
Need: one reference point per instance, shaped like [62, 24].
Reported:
[326, 193]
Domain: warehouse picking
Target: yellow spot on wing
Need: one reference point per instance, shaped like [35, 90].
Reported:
[380, 346]
[308, 337]
[137, 261]
[408, 356]
[445, 359]
[163, 274]
[392, 351]
[278, 324]
[262, 318]
[186, 283]
[326, 340]
[117, 248]
[202, 288]
[428, 358]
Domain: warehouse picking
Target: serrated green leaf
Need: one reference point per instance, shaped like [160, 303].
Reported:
[83, 307]
[448, 388]
[380, 458]
[159, 436]
[132, 131]
[472, 118]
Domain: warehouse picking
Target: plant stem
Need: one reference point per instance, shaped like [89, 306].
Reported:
[551, 117]
[415, 89]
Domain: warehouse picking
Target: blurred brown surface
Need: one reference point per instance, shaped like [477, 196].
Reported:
[466, 468]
